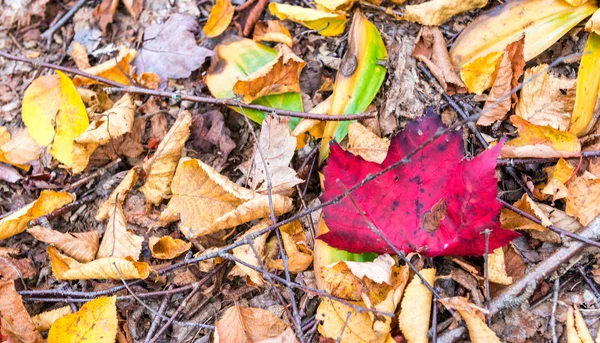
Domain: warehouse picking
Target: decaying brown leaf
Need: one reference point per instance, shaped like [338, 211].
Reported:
[110, 268]
[241, 324]
[118, 195]
[44, 320]
[248, 14]
[248, 255]
[299, 254]
[118, 241]
[437, 12]
[282, 75]
[161, 167]
[219, 18]
[79, 54]
[583, 201]
[117, 69]
[366, 144]
[167, 247]
[105, 12]
[16, 322]
[472, 315]
[207, 202]
[16, 268]
[81, 246]
[272, 31]
[416, 308]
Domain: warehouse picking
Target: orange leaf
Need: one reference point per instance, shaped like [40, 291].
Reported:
[219, 18]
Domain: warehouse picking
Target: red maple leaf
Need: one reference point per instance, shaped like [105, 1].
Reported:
[437, 204]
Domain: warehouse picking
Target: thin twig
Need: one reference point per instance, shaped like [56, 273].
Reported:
[48, 33]
[339, 339]
[486, 270]
[157, 320]
[591, 284]
[95, 174]
[519, 161]
[180, 308]
[59, 212]
[553, 315]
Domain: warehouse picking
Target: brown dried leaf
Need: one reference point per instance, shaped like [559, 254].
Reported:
[272, 31]
[44, 320]
[583, 201]
[366, 144]
[105, 12]
[558, 176]
[167, 247]
[161, 167]
[299, 254]
[16, 322]
[8, 251]
[79, 54]
[219, 18]
[118, 195]
[471, 314]
[118, 241]
[247, 325]
[116, 69]
[13, 269]
[246, 254]
[209, 131]
[82, 246]
[282, 75]
[248, 14]
[416, 308]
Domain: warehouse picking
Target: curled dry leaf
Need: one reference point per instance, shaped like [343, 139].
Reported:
[313, 126]
[118, 195]
[247, 15]
[207, 202]
[112, 123]
[583, 201]
[79, 54]
[430, 48]
[161, 167]
[472, 315]
[8, 251]
[246, 254]
[282, 75]
[364, 143]
[47, 202]
[66, 268]
[546, 99]
[14, 269]
[105, 12]
[299, 254]
[241, 324]
[117, 69]
[219, 18]
[437, 12]
[497, 268]
[577, 330]
[167, 247]
[593, 25]
[540, 141]
[81, 246]
[558, 176]
[416, 308]
[272, 31]
[96, 321]
[16, 322]
[327, 24]
[44, 320]
[118, 241]
[20, 149]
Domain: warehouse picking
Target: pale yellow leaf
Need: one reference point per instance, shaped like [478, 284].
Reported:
[437, 12]
[416, 308]
[471, 314]
[112, 123]
[312, 125]
[557, 179]
[82, 246]
[593, 25]
[167, 247]
[246, 254]
[299, 254]
[572, 336]
[16, 322]
[44, 320]
[334, 5]
[366, 144]
[118, 195]
[272, 31]
[96, 322]
[118, 241]
[583, 201]
[327, 24]
[497, 268]
[116, 69]
[79, 54]
[248, 325]
[22, 149]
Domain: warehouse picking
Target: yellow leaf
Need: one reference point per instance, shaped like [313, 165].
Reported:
[497, 268]
[112, 123]
[593, 25]
[66, 268]
[437, 12]
[116, 69]
[272, 31]
[334, 5]
[161, 167]
[240, 324]
[19, 150]
[96, 322]
[41, 103]
[471, 314]
[246, 254]
[479, 74]
[557, 179]
[47, 202]
[327, 24]
[366, 144]
[207, 202]
[583, 201]
[82, 246]
[576, 3]
[16, 322]
[167, 247]
[540, 141]
[118, 241]
[219, 18]
[299, 254]
[416, 308]
[588, 88]
[313, 126]
[118, 195]
[44, 320]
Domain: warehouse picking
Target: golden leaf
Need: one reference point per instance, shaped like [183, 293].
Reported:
[44, 320]
[207, 202]
[47, 202]
[479, 74]
[334, 5]
[540, 141]
[96, 322]
[16, 322]
[118, 195]
[112, 123]
[246, 254]
[167, 247]
[437, 12]
[272, 31]
[327, 24]
[161, 167]
[497, 268]
[583, 201]
[19, 150]
[416, 308]
[118, 241]
[116, 69]
[219, 18]
[240, 324]
[471, 314]
[299, 254]
[557, 179]
[66, 268]
[79, 54]
[82, 246]
[366, 144]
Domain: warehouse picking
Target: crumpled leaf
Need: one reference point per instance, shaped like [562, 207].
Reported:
[105, 12]
[479, 332]
[117, 195]
[170, 49]
[167, 247]
[161, 167]
[507, 77]
[20, 150]
[437, 12]
[208, 131]
[247, 15]
[588, 88]
[577, 330]
[82, 246]
[246, 254]
[380, 270]
[543, 100]
[438, 204]
[16, 268]
[66, 268]
[326, 24]
[497, 268]
[96, 321]
[249, 324]
[593, 25]
[47, 202]
[219, 18]
[118, 241]
[272, 31]
[117, 69]
[112, 123]
[207, 202]
[540, 141]
[479, 74]
[44, 320]
[416, 308]
[364, 143]
[299, 254]
[281, 75]
[430, 48]
[277, 147]
[558, 176]
[583, 201]
[16, 322]
[55, 115]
